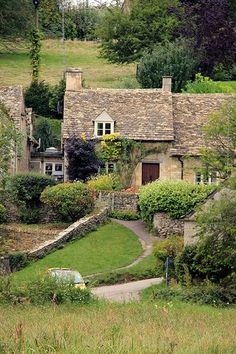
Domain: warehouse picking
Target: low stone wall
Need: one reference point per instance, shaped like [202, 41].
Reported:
[119, 200]
[165, 226]
[77, 230]
[4, 266]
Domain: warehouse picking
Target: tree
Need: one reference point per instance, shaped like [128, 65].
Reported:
[82, 160]
[37, 96]
[172, 59]
[126, 35]
[210, 27]
[220, 138]
[44, 133]
[10, 140]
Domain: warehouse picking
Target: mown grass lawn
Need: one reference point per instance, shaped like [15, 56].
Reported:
[110, 247]
[15, 66]
[134, 328]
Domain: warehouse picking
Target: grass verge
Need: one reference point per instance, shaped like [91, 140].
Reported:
[110, 247]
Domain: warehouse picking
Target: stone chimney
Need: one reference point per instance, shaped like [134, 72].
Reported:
[73, 79]
[167, 83]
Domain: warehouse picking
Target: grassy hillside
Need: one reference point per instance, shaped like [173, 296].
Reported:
[135, 328]
[15, 66]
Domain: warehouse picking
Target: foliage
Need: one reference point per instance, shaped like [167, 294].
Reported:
[17, 260]
[38, 96]
[10, 140]
[125, 215]
[82, 160]
[86, 19]
[42, 291]
[2, 213]
[44, 133]
[126, 153]
[105, 183]
[26, 190]
[16, 18]
[213, 257]
[56, 100]
[209, 25]
[126, 35]
[176, 198]
[203, 84]
[173, 59]
[70, 200]
[35, 37]
[206, 294]
[170, 247]
[220, 140]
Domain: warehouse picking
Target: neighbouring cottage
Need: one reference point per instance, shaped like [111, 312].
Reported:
[13, 99]
[157, 117]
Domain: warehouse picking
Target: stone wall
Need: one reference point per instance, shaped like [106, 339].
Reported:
[165, 226]
[77, 230]
[119, 200]
[4, 266]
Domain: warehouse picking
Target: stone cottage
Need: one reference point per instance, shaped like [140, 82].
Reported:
[159, 118]
[13, 99]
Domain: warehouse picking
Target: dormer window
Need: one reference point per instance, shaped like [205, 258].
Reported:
[104, 125]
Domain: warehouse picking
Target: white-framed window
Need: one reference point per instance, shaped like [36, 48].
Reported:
[110, 167]
[54, 169]
[103, 125]
[204, 178]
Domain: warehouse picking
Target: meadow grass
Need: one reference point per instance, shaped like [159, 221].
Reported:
[138, 328]
[15, 66]
[110, 247]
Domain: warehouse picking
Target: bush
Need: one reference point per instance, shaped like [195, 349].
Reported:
[69, 200]
[17, 261]
[214, 256]
[173, 59]
[2, 213]
[42, 291]
[176, 198]
[169, 247]
[38, 96]
[125, 215]
[109, 182]
[204, 85]
[26, 190]
[206, 294]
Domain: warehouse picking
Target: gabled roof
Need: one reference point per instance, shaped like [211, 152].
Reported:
[138, 114]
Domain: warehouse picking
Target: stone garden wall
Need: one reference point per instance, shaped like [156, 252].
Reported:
[119, 200]
[165, 226]
[4, 266]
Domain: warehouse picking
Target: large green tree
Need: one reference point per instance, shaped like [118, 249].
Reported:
[126, 35]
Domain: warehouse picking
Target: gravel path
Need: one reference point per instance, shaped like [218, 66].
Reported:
[124, 292]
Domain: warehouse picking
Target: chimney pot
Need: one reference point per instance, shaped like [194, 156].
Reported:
[167, 83]
[74, 79]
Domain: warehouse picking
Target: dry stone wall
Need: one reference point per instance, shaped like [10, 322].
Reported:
[119, 200]
[165, 226]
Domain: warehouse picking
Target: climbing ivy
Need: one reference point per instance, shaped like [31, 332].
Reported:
[34, 53]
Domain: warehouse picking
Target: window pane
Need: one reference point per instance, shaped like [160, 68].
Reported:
[107, 128]
[198, 178]
[111, 167]
[99, 129]
[58, 167]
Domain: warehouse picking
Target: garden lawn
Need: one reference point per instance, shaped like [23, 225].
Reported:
[134, 328]
[110, 247]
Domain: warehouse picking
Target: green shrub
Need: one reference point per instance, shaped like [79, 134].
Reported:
[69, 200]
[26, 190]
[124, 215]
[109, 182]
[42, 291]
[17, 261]
[176, 198]
[2, 213]
[203, 84]
[38, 96]
[206, 294]
[169, 247]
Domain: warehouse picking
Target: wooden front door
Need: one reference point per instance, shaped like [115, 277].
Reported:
[150, 172]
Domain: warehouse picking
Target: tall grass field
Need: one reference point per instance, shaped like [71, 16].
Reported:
[102, 328]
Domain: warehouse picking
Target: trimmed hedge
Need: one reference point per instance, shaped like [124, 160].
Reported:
[176, 198]
[109, 182]
[71, 201]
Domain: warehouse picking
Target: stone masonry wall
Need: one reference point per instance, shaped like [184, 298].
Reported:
[4, 266]
[119, 200]
[165, 226]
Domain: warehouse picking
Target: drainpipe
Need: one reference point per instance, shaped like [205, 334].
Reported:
[180, 158]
